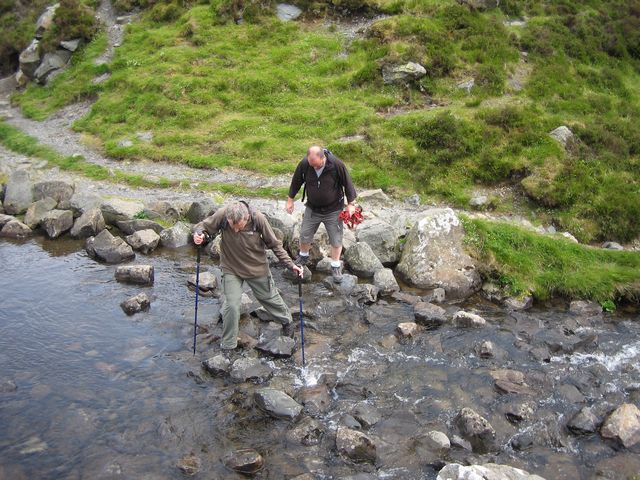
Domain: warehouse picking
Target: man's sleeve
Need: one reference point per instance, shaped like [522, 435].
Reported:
[347, 183]
[271, 241]
[211, 224]
[296, 181]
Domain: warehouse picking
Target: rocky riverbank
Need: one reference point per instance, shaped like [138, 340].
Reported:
[360, 333]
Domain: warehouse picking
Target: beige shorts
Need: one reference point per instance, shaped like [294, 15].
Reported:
[312, 220]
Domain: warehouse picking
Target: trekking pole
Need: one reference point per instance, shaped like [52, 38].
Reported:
[195, 321]
[301, 319]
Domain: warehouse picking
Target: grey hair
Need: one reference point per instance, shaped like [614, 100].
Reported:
[236, 212]
[316, 150]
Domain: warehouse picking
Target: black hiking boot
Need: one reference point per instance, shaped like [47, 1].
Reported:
[289, 329]
[336, 274]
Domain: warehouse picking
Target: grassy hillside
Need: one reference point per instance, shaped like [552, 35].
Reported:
[256, 94]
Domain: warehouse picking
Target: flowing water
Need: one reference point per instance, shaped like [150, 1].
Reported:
[102, 395]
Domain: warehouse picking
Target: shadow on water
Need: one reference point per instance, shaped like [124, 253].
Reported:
[103, 395]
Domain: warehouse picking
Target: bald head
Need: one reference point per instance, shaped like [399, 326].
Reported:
[315, 156]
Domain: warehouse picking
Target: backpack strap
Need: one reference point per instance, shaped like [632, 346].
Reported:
[305, 167]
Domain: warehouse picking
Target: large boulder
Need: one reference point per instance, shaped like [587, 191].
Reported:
[584, 422]
[45, 20]
[250, 369]
[15, 229]
[30, 59]
[37, 211]
[283, 221]
[383, 240]
[218, 365]
[4, 219]
[166, 210]
[138, 303]
[385, 281]
[362, 261]
[623, 425]
[201, 209]
[477, 430]
[90, 223]
[107, 248]
[60, 191]
[464, 319]
[489, 471]
[81, 202]
[429, 315]
[402, 74]
[19, 193]
[129, 227]
[356, 446]
[434, 256]
[277, 404]
[118, 209]
[51, 62]
[278, 347]
[137, 274]
[177, 236]
[143, 240]
[57, 222]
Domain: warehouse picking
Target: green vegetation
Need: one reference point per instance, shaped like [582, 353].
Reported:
[526, 263]
[254, 95]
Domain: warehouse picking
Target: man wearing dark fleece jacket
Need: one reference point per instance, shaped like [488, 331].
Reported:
[246, 235]
[327, 182]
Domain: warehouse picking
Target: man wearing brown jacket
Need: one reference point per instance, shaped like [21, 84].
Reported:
[246, 235]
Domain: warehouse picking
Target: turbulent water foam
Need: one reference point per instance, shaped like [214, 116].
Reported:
[628, 355]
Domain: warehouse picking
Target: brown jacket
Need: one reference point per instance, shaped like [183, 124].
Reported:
[244, 253]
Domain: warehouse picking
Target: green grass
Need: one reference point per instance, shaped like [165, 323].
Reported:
[526, 263]
[255, 95]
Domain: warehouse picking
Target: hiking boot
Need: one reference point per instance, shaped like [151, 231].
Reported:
[336, 274]
[302, 260]
[288, 329]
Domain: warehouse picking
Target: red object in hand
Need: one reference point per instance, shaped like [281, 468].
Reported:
[352, 220]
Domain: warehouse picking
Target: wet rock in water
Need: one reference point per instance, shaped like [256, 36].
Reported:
[356, 446]
[129, 227]
[367, 415]
[558, 340]
[201, 209]
[109, 249]
[189, 464]
[517, 412]
[585, 308]
[59, 190]
[177, 236]
[293, 276]
[437, 295]
[486, 349]
[245, 460]
[8, 386]
[345, 287]
[37, 210]
[278, 347]
[207, 282]
[385, 282]
[510, 381]
[137, 274]
[458, 442]
[584, 422]
[250, 369]
[570, 393]
[488, 471]
[117, 209]
[277, 404]
[621, 466]
[401, 74]
[324, 265]
[350, 422]
[307, 432]
[477, 430]
[218, 365]
[541, 354]
[523, 440]
[518, 304]
[19, 193]
[145, 241]
[361, 260]
[439, 235]
[316, 399]
[90, 223]
[407, 329]
[623, 425]
[57, 222]
[15, 229]
[365, 293]
[138, 303]
[429, 315]
[437, 441]
[464, 319]
[4, 219]
[383, 239]
[81, 202]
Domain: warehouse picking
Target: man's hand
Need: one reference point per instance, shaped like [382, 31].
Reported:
[351, 208]
[298, 270]
[289, 206]
[198, 238]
